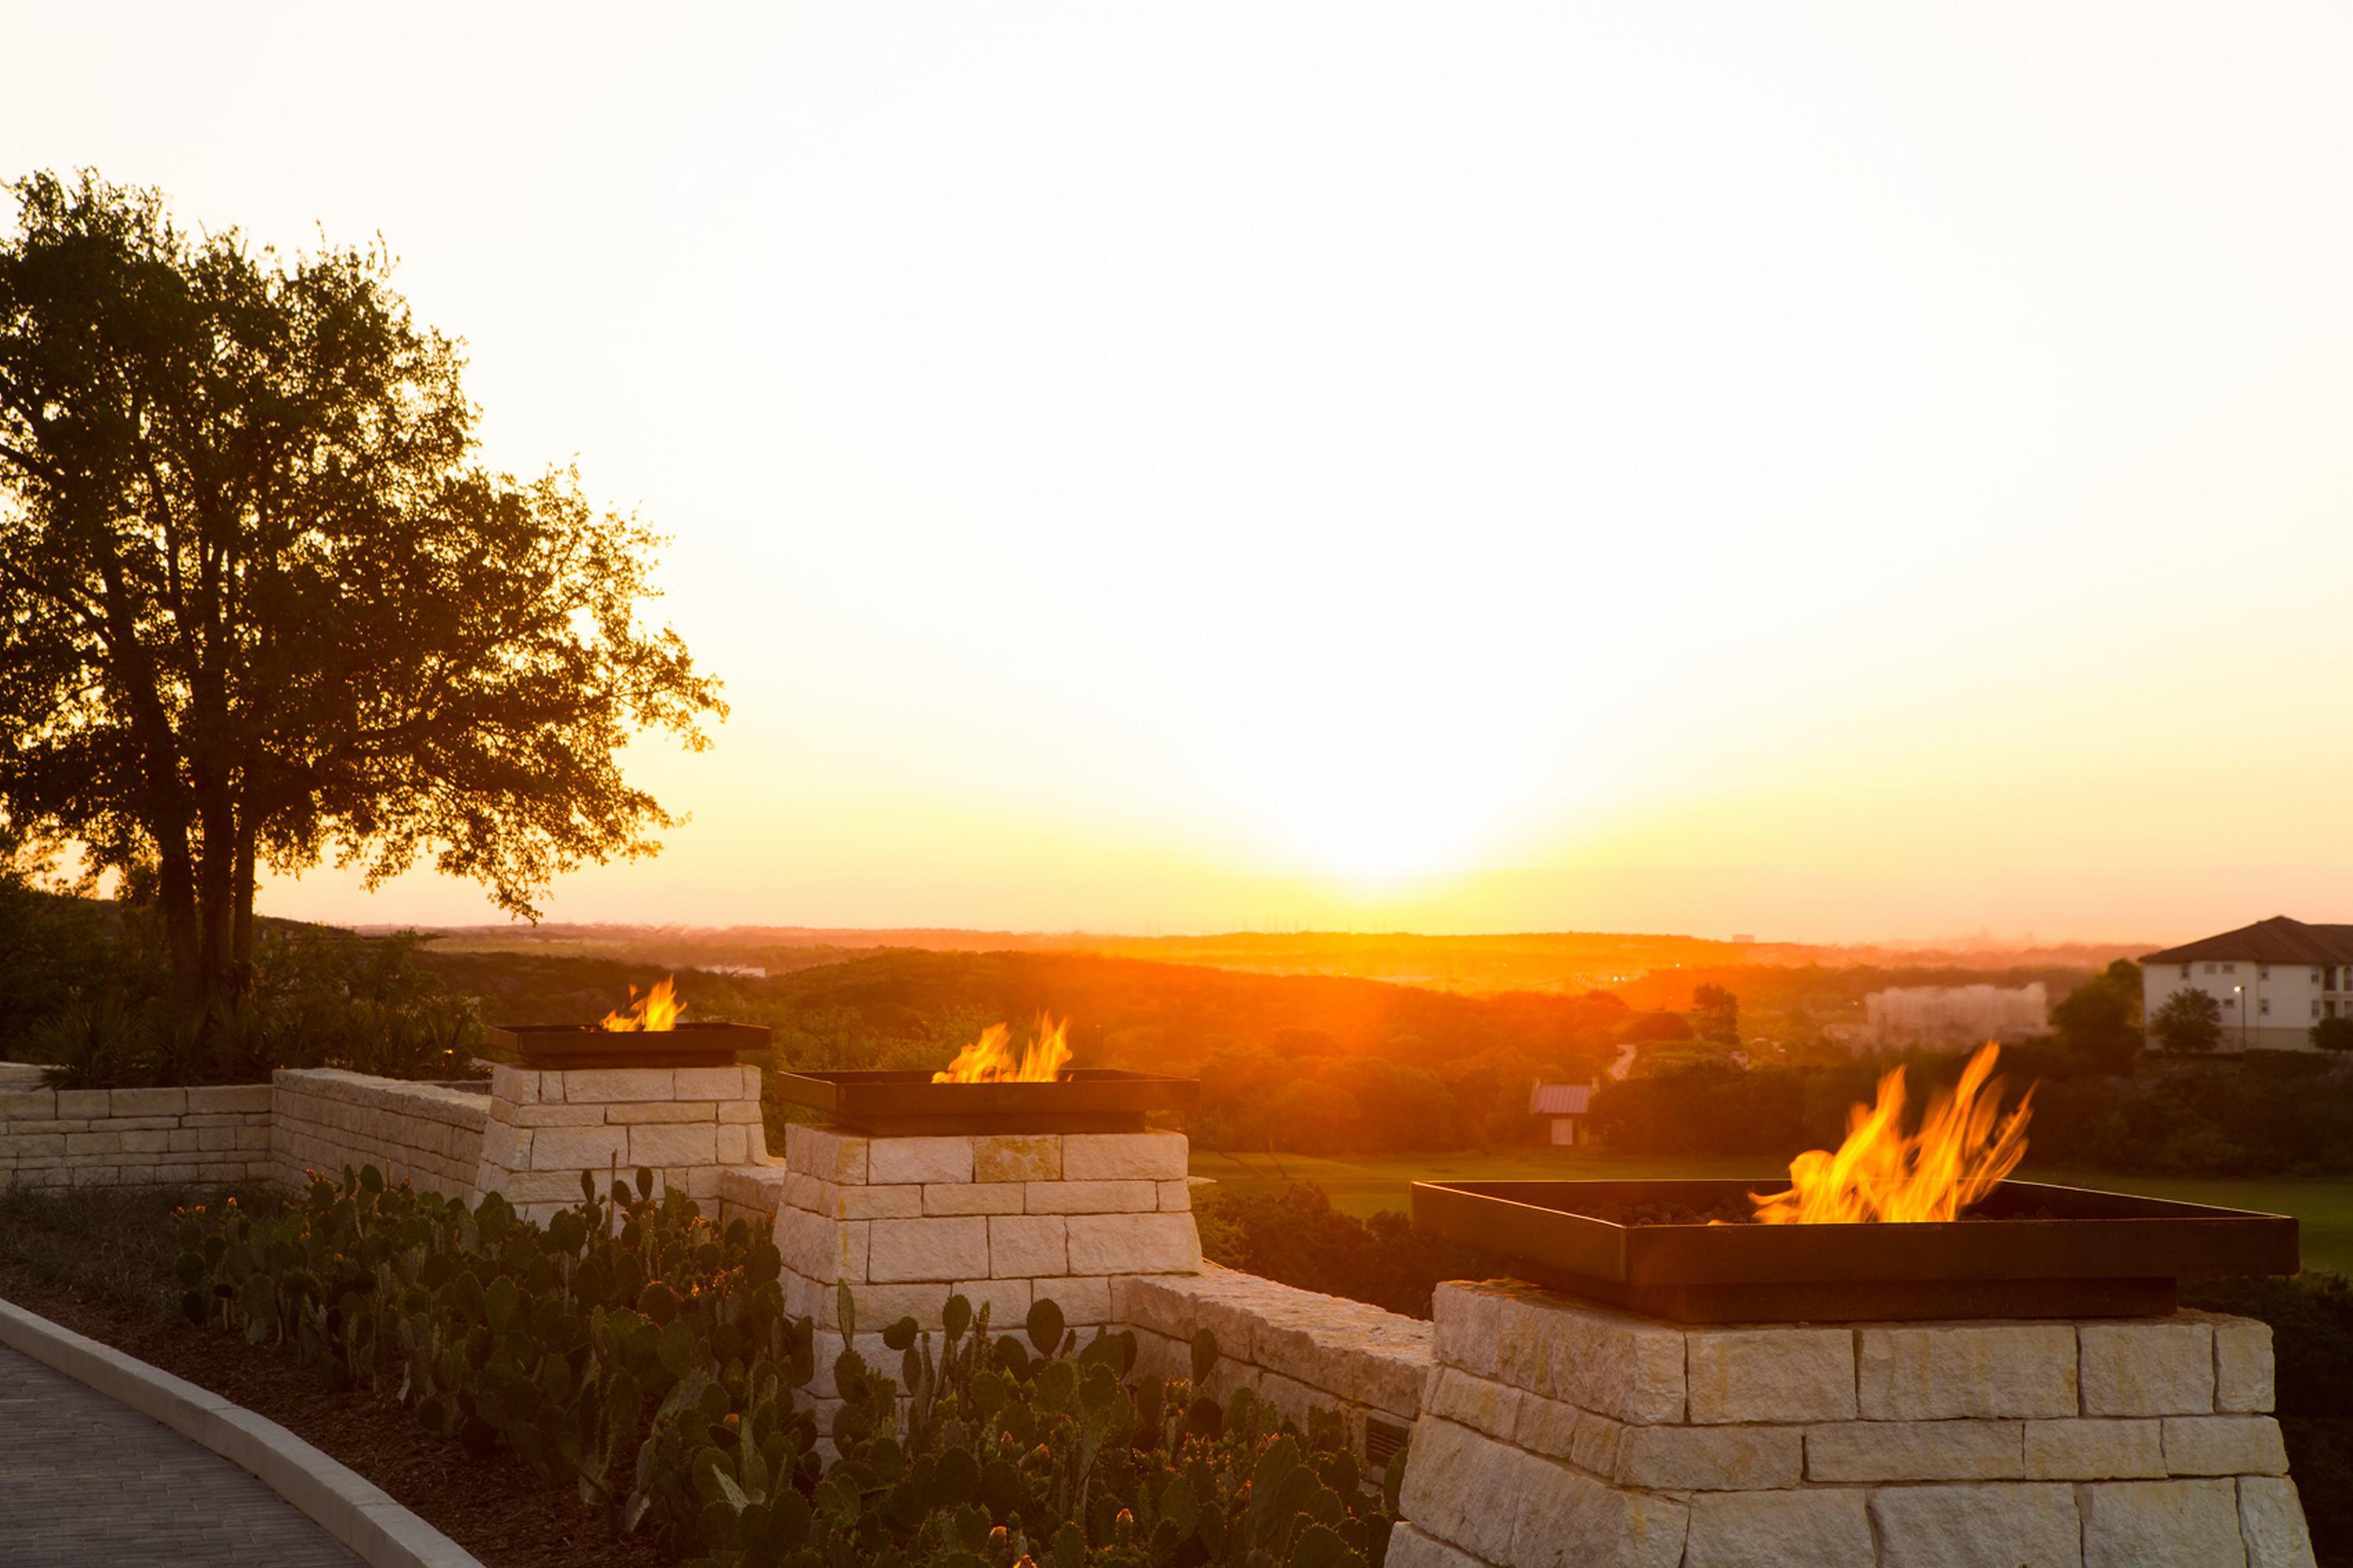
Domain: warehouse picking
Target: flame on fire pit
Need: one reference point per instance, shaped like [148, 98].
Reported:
[991, 1059]
[657, 1009]
[1963, 1150]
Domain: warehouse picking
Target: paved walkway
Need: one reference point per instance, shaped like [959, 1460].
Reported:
[87, 1483]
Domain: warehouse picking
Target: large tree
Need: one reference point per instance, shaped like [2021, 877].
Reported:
[261, 604]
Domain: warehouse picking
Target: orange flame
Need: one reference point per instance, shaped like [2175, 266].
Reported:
[991, 1059]
[1880, 1174]
[657, 1009]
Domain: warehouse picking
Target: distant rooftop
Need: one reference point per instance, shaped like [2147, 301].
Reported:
[1560, 1099]
[2278, 941]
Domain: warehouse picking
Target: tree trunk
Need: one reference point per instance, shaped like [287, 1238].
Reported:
[242, 954]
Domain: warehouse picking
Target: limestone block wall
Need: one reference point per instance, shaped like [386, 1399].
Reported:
[752, 1194]
[133, 1137]
[1296, 1349]
[907, 1221]
[687, 1125]
[429, 1135]
[1554, 1431]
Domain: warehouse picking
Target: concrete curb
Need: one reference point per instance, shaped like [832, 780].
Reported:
[351, 1509]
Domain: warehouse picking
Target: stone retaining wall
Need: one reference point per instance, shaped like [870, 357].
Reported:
[907, 1221]
[429, 1135]
[1295, 1348]
[687, 1125]
[134, 1138]
[1557, 1432]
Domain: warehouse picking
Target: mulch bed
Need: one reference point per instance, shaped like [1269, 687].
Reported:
[492, 1506]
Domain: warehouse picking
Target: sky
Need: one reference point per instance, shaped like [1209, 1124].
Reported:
[1826, 471]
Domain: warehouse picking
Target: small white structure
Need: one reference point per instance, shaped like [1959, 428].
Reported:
[1562, 1105]
[2274, 980]
[1958, 1016]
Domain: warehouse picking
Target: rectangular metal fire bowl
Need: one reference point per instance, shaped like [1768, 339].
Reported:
[563, 1045]
[2043, 1251]
[897, 1104]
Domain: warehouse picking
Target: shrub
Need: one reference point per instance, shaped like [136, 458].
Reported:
[629, 1327]
[1299, 1238]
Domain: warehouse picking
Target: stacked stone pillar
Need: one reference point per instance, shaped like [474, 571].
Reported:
[1003, 1220]
[686, 1125]
[1557, 1434]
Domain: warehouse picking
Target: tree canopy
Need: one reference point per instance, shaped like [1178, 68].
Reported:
[265, 606]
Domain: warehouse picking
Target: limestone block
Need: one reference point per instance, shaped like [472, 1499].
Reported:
[29, 1105]
[1133, 1244]
[1569, 1521]
[674, 1143]
[740, 1111]
[1712, 1458]
[1598, 1359]
[2271, 1521]
[1985, 1371]
[180, 1142]
[79, 1143]
[1467, 1319]
[1410, 1548]
[1036, 1157]
[150, 1101]
[2147, 1524]
[631, 1113]
[940, 1249]
[1828, 1529]
[2242, 1365]
[85, 1104]
[1390, 1370]
[1091, 1197]
[579, 1148]
[1292, 1399]
[516, 1085]
[709, 1083]
[823, 1249]
[2021, 1525]
[247, 1098]
[919, 1159]
[2150, 1368]
[972, 1198]
[879, 1306]
[535, 1186]
[699, 1183]
[555, 1115]
[755, 1143]
[1477, 1402]
[1465, 1488]
[157, 1142]
[1914, 1451]
[1007, 1301]
[1547, 1427]
[2223, 1446]
[732, 1145]
[825, 1152]
[2094, 1450]
[605, 1086]
[50, 1144]
[1026, 1247]
[1123, 1155]
[1771, 1374]
[1175, 1197]
[895, 1203]
[1085, 1299]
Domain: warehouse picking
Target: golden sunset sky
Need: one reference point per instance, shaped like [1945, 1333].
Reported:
[1827, 472]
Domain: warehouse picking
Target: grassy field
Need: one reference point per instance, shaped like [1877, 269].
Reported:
[2324, 1205]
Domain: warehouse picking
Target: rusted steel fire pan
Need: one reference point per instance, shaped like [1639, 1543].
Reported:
[585, 1046]
[891, 1105]
[2081, 1254]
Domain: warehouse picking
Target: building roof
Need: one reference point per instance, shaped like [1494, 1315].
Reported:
[2278, 941]
[1560, 1099]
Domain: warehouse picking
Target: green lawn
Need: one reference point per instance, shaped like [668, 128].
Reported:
[2323, 1204]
